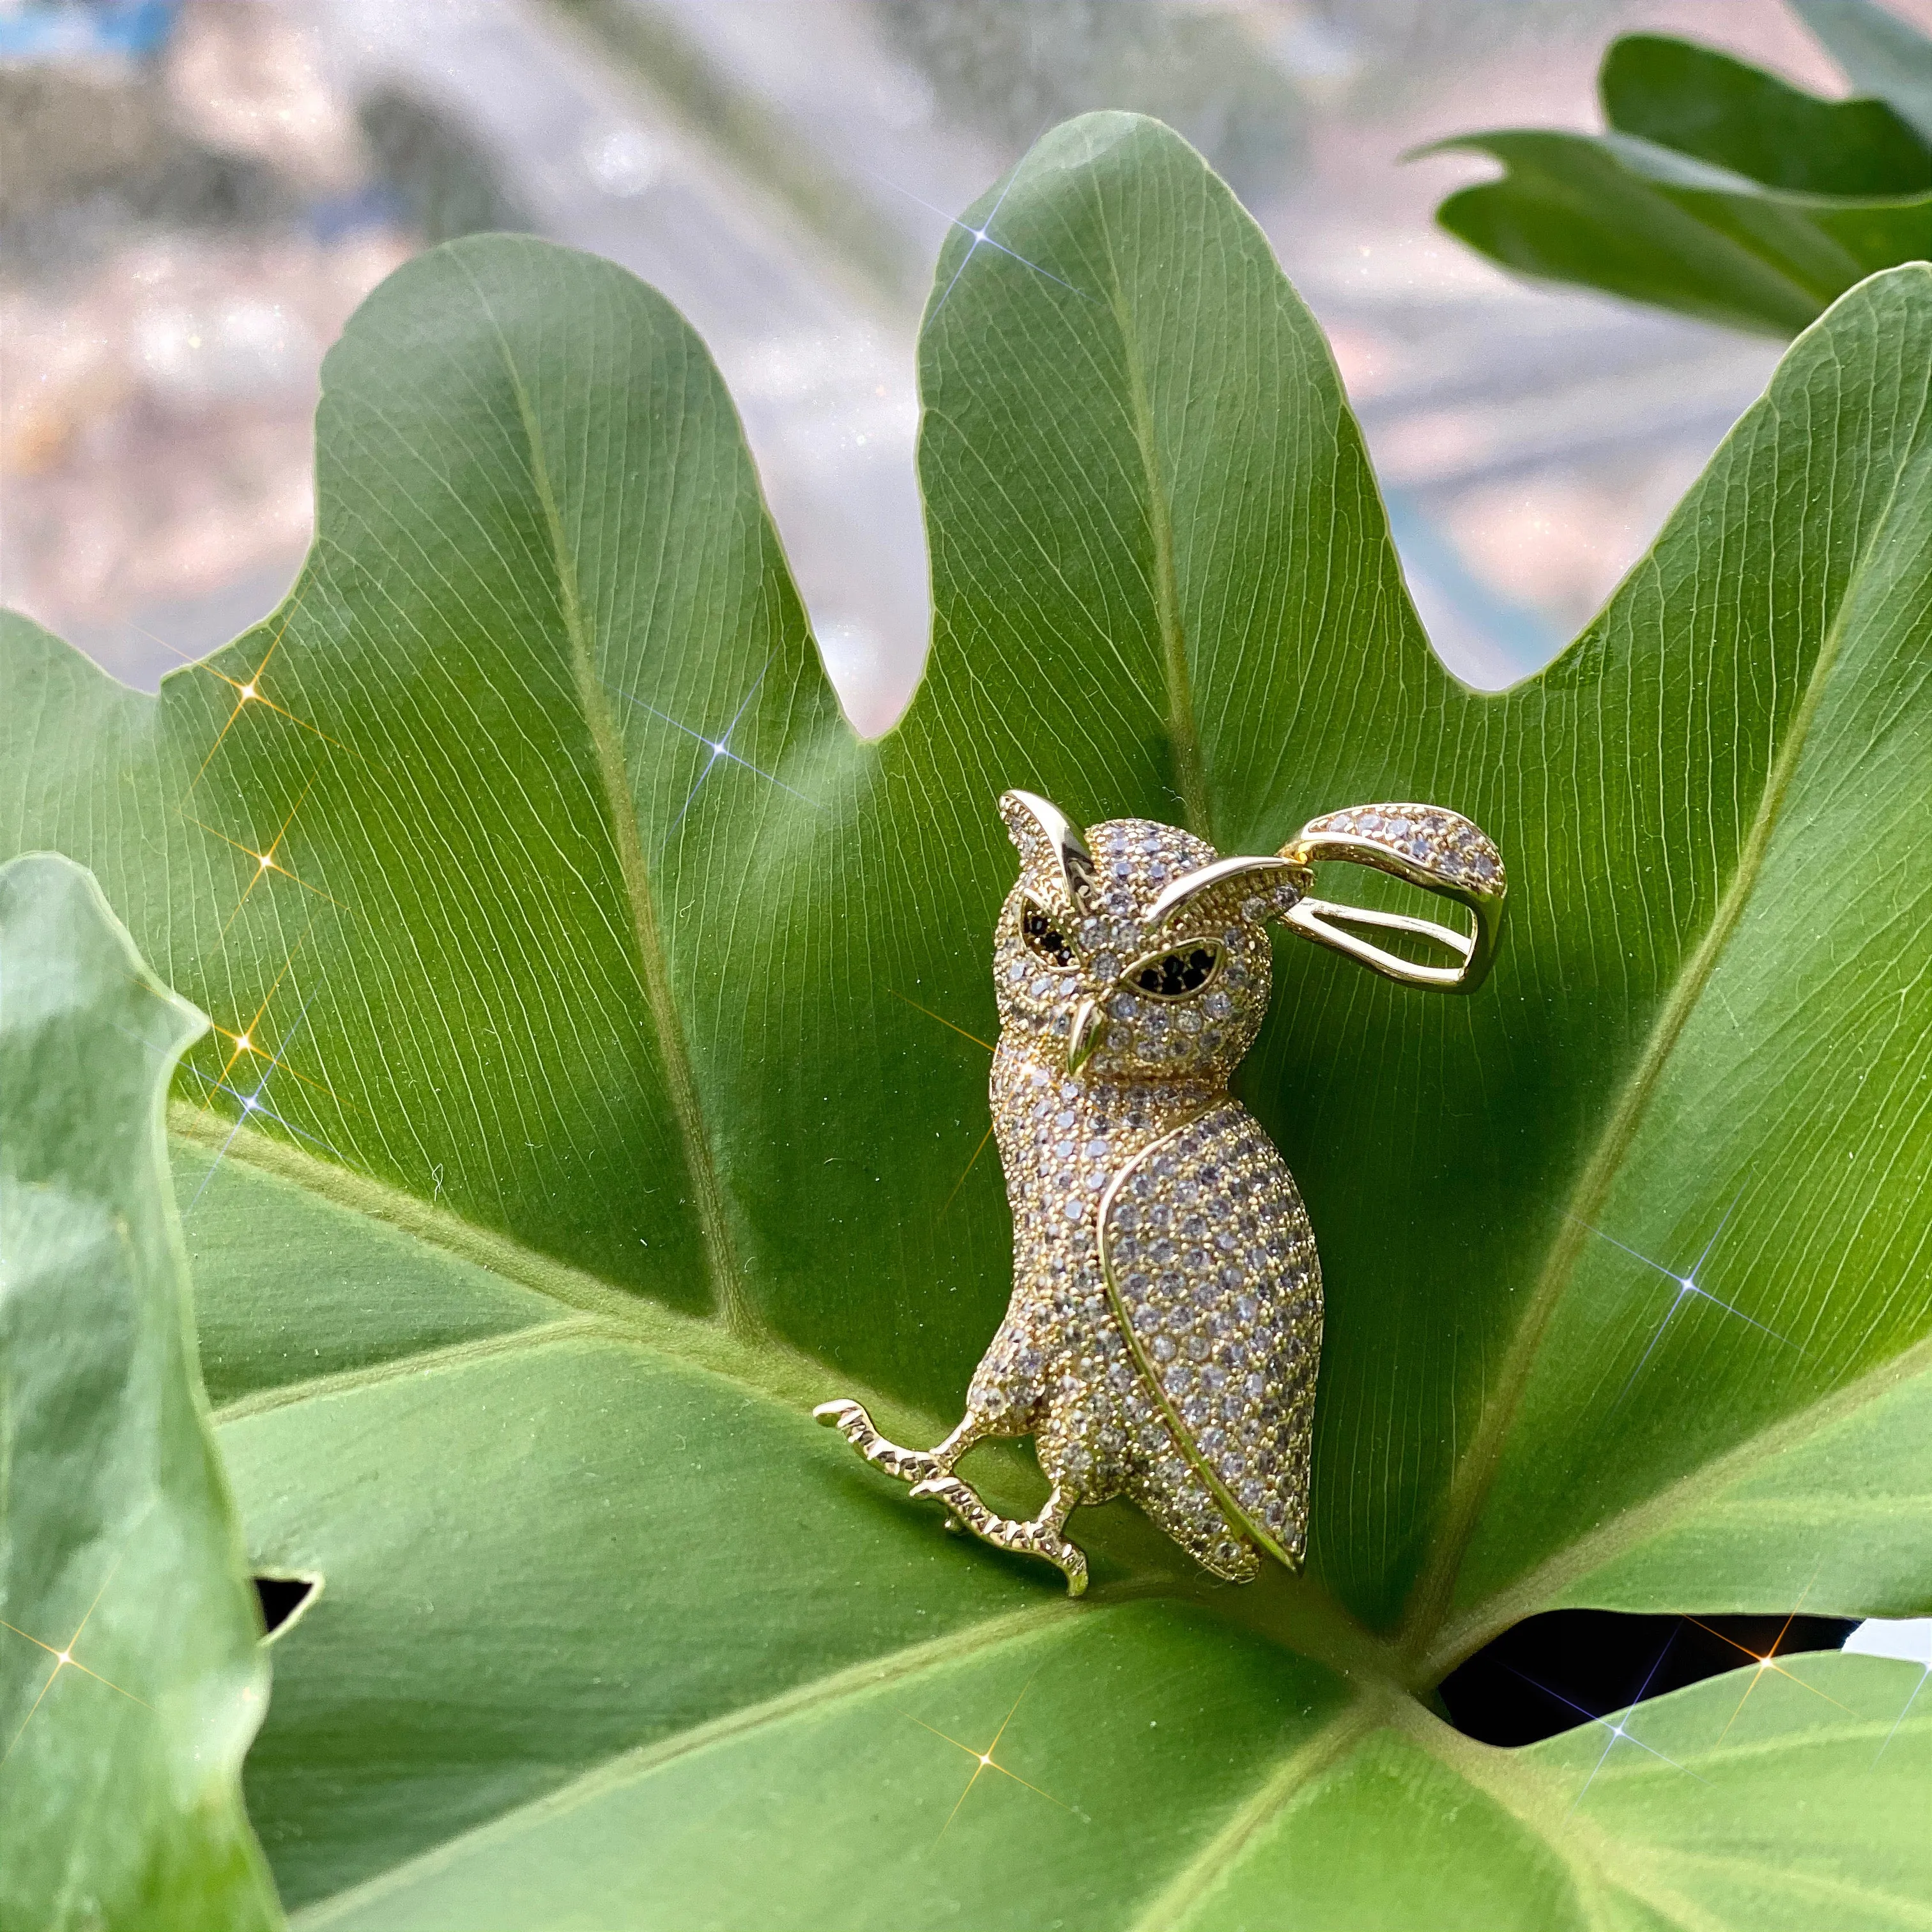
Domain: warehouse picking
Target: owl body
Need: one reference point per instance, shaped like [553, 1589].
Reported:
[1165, 1323]
[1164, 1331]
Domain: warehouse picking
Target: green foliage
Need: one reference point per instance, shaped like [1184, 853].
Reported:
[131, 1678]
[612, 1113]
[1719, 189]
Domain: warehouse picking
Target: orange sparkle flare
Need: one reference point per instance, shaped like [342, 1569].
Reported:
[1768, 1661]
[248, 1034]
[250, 690]
[65, 1659]
[986, 1761]
[942, 1019]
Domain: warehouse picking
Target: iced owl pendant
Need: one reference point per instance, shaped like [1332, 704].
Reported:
[1165, 1323]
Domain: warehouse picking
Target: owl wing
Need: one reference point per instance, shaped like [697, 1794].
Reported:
[1210, 1267]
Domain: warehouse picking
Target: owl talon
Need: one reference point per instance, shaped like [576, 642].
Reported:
[849, 1419]
[1041, 1538]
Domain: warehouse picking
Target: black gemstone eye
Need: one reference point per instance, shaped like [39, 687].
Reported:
[1173, 976]
[1043, 936]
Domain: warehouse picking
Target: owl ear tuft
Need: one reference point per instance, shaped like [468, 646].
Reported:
[1277, 882]
[1045, 834]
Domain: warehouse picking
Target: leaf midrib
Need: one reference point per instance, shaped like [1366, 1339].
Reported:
[1476, 1472]
[1593, 1860]
[1183, 733]
[643, 1761]
[1312, 1624]
[734, 1304]
[768, 1369]
[1534, 1591]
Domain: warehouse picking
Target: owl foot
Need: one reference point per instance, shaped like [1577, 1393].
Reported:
[849, 1419]
[1040, 1538]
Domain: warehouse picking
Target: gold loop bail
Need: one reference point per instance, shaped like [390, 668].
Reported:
[1424, 845]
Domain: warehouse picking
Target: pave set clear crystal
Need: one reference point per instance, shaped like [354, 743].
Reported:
[1206, 1221]
[1164, 1331]
[1444, 842]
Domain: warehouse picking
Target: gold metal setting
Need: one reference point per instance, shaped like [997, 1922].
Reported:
[1165, 1329]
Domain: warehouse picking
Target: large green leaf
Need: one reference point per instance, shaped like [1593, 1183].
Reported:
[1720, 190]
[131, 1672]
[616, 1078]
[1883, 55]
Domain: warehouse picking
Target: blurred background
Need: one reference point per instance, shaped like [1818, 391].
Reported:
[195, 193]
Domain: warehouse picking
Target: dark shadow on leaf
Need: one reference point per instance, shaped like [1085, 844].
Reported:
[1552, 1672]
[283, 1599]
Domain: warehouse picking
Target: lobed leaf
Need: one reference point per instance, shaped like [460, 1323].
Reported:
[622, 1094]
[131, 1673]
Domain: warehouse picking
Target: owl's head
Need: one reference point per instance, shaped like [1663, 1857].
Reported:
[1142, 954]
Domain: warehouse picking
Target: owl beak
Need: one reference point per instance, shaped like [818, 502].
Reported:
[1089, 1029]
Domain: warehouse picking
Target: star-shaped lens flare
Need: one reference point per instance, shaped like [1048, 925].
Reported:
[985, 1761]
[1619, 1731]
[254, 1104]
[246, 1041]
[65, 1659]
[1688, 1288]
[250, 692]
[719, 748]
[266, 861]
[982, 238]
[1768, 1660]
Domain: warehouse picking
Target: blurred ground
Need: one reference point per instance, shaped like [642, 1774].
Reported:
[194, 196]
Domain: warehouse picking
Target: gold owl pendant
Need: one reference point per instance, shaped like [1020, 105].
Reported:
[1165, 1324]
